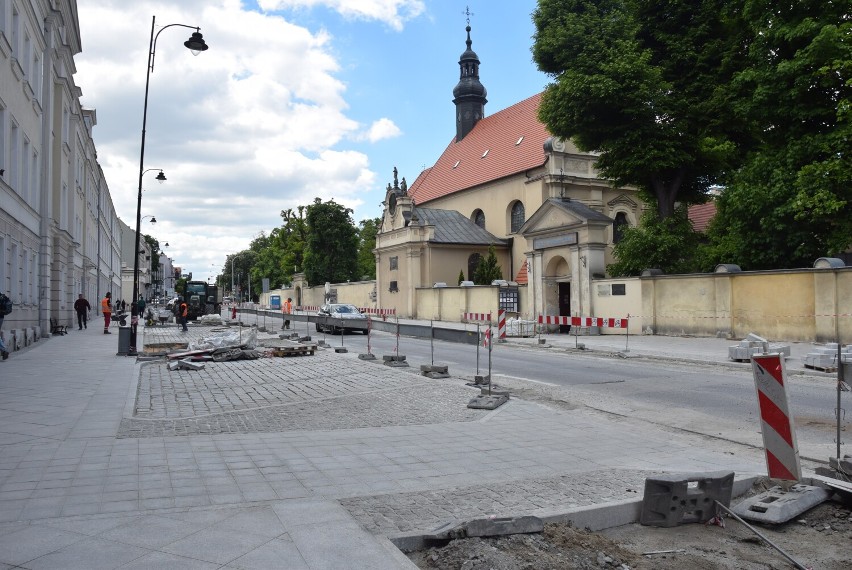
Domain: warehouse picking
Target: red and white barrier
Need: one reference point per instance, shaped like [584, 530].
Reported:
[307, 308]
[380, 312]
[776, 422]
[583, 321]
[476, 316]
[501, 324]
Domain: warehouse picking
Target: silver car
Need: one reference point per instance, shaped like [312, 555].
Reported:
[332, 314]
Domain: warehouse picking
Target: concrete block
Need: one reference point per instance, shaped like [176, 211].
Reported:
[340, 349]
[396, 363]
[435, 375]
[844, 464]
[441, 368]
[503, 526]
[187, 364]
[491, 402]
[481, 379]
[174, 365]
[366, 356]
[777, 506]
[393, 358]
[670, 500]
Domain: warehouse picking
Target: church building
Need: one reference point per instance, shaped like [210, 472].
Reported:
[503, 181]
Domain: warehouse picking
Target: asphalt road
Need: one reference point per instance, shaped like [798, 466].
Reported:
[715, 400]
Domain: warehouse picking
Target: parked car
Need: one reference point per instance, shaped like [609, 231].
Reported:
[344, 312]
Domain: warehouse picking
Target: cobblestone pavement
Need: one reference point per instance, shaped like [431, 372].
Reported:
[425, 511]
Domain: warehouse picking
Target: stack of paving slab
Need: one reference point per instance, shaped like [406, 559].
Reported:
[753, 345]
[825, 357]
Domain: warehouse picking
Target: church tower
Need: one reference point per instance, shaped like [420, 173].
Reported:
[468, 94]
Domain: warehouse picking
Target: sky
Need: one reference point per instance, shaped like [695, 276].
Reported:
[293, 100]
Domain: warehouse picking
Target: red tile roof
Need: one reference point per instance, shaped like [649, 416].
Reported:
[462, 165]
[521, 277]
[701, 214]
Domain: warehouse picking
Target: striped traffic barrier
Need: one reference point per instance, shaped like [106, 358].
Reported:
[501, 325]
[476, 316]
[583, 321]
[380, 312]
[779, 433]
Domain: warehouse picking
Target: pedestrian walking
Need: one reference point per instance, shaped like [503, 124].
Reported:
[140, 305]
[106, 309]
[287, 308]
[5, 308]
[123, 306]
[82, 307]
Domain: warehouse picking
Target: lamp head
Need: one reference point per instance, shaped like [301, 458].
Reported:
[195, 43]
[161, 177]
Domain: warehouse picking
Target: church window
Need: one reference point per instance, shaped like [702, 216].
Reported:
[394, 263]
[479, 219]
[394, 288]
[472, 264]
[518, 216]
[618, 227]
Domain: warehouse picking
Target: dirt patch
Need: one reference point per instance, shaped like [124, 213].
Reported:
[820, 538]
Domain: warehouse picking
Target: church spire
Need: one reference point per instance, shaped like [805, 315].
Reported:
[468, 94]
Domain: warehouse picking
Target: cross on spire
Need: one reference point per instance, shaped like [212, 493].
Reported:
[468, 13]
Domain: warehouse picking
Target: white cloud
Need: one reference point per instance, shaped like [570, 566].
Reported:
[382, 129]
[393, 13]
[253, 125]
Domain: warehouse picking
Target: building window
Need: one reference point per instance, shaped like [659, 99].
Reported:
[619, 289]
[479, 219]
[618, 227]
[394, 263]
[394, 288]
[518, 216]
[508, 299]
[472, 264]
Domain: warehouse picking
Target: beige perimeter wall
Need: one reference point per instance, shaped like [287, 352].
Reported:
[795, 305]
[810, 305]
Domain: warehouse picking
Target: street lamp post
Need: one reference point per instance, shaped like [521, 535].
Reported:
[197, 45]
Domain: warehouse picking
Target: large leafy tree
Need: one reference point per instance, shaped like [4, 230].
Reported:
[792, 200]
[366, 244]
[639, 81]
[669, 244]
[331, 252]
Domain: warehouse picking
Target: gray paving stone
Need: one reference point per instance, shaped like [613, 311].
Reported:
[34, 541]
[89, 554]
[216, 545]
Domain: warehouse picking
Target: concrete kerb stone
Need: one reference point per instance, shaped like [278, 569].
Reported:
[593, 518]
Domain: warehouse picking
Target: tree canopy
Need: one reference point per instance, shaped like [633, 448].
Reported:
[638, 81]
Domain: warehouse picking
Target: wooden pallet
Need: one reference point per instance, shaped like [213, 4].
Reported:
[822, 368]
[296, 350]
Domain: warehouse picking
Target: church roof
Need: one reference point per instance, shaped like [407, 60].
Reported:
[452, 227]
[506, 143]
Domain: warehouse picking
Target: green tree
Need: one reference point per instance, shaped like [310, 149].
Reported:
[461, 276]
[331, 252]
[792, 200]
[268, 262]
[642, 83]
[293, 235]
[366, 244]
[487, 270]
[669, 244]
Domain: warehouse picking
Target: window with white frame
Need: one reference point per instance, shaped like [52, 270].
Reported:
[3, 285]
[66, 124]
[35, 82]
[25, 171]
[63, 207]
[14, 158]
[25, 289]
[3, 113]
[16, 29]
[14, 289]
[36, 198]
[34, 280]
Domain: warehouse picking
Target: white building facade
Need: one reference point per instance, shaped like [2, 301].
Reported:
[59, 232]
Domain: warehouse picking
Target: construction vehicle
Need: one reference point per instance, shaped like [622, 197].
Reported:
[202, 299]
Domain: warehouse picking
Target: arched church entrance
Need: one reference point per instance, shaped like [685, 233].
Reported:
[557, 284]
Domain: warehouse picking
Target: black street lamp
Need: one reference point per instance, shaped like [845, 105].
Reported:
[196, 44]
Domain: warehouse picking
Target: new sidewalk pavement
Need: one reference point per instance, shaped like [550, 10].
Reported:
[306, 462]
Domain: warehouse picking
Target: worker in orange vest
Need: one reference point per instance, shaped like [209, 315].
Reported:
[106, 309]
[183, 312]
[286, 309]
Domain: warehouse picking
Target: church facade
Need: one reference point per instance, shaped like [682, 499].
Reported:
[504, 182]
